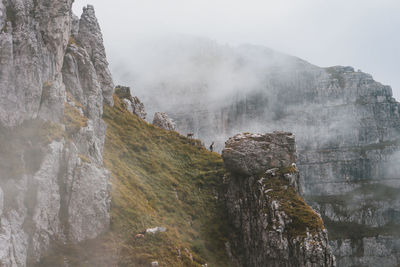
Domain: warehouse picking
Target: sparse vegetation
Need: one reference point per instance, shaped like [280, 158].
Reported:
[123, 92]
[289, 169]
[73, 120]
[84, 158]
[161, 178]
[46, 91]
[337, 76]
[303, 217]
[355, 231]
[369, 191]
[363, 198]
[72, 41]
[376, 146]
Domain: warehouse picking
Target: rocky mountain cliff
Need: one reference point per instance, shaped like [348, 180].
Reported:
[347, 127]
[274, 226]
[55, 190]
[54, 79]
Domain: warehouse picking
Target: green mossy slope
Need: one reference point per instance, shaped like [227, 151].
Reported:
[161, 178]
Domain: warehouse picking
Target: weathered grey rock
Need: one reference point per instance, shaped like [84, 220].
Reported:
[1, 201]
[91, 38]
[162, 120]
[156, 230]
[13, 241]
[90, 186]
[33, 39]
[74, 27]
[3, 16]
[44, 190]
[62, 192]
[264, 234]
[132, 103]
[370, 251]
[255, 153]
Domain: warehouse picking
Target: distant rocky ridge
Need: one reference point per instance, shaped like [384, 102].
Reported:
[347, 127]
[273, 224]
[54, 79]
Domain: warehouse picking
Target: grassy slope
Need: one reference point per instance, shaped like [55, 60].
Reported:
[161, 178]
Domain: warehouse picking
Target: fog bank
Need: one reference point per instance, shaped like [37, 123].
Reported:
[360, 33]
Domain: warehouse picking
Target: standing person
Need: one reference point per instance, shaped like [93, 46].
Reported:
[212, 147]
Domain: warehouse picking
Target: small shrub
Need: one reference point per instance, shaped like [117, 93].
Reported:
[72, 41]
[73, 120]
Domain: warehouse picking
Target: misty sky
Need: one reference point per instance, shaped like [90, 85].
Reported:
[362, 33]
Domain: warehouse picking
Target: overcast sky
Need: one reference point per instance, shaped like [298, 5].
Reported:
[364, 34]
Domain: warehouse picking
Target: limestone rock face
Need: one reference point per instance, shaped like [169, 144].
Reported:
[33, 39]
[132, 103]
[162, 120]
[53, 82]
[273, 224]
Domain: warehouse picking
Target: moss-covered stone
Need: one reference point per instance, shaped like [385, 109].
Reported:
[303, 218]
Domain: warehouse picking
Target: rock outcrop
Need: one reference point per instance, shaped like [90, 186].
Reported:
[132, 103]
[273, 225]
[53, 82]
[162, 120]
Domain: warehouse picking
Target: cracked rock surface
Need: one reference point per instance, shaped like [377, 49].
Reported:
[273, 226]
[54, 79]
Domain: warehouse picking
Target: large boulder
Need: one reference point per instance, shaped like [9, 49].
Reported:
[162, 120]
[248, 153]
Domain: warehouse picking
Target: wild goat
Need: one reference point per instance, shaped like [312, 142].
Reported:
[190, 135]
[139, 236]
